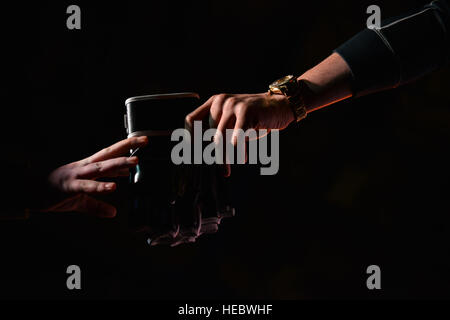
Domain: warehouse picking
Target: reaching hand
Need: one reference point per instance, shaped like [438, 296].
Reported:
[73, 184]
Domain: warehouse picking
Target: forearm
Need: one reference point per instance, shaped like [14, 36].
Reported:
[329, 82]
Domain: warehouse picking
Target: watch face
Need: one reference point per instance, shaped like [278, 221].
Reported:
[286, 85]
[282, 81]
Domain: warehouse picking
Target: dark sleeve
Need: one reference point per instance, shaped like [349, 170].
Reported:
[400, 50]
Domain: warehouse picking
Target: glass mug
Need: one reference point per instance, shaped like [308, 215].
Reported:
[171, 204]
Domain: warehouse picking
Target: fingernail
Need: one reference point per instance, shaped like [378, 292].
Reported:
[234, 140]
[133, 160]
[142, 139]
[188, 126]
[109, 186]
[112, 213]
[217, 139]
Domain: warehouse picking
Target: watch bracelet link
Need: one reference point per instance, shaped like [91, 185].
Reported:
[297, 105]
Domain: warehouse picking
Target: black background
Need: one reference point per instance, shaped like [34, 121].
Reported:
[363, 182]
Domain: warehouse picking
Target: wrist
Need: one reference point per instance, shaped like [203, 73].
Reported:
[282, 102]
[308, 94]
[295, 91]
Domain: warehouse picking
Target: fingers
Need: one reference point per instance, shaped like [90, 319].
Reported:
[226, 122]
[238, 139]
[217, 109]
[198, 114]
[66, 205]
[238, 127]
[85, 204]
[89, 187]
[117, 150]
[107, 169]
[225, 112]
[95, 207]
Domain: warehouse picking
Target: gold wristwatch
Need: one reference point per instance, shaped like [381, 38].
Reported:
[294, 90]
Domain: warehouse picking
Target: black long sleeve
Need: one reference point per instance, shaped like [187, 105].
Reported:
[400, 50]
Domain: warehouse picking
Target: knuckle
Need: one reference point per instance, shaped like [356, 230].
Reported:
[232, 101]
[86, 162]
[135, 140]
[221, 96]
[215, 108]
[65, 186]
[240, 108]
[98, 167]
[72, 174]
[188, 118]
[229, 104]
[131, 142]
[82, 186]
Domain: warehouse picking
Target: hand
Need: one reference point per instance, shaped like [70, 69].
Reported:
[73, 184]
[243, 111]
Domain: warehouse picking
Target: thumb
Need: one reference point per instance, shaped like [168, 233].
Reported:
[91, 206]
